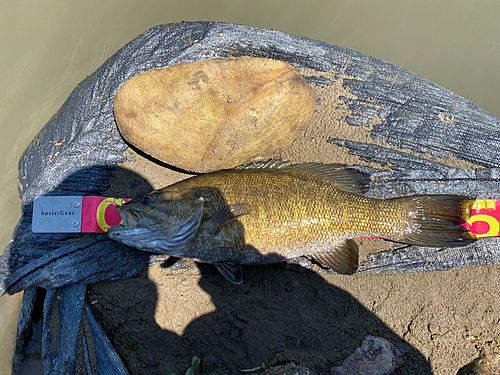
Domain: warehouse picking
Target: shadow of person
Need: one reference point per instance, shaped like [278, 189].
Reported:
[284, 312]
[39, 262]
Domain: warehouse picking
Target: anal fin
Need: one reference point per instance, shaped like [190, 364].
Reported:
[231, 271]
[342, 258]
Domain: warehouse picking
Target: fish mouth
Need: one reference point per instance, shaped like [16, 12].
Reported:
[130, 224]
[131, 219]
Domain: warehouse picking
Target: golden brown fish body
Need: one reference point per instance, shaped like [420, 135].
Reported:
[291, 213]
[267, 215]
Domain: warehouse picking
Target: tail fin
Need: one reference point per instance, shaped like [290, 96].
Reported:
[437, 220]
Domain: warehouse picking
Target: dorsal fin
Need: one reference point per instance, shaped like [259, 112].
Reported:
[350, 180]
[268, 164]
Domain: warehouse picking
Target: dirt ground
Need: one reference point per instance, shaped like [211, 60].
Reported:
[440, 321]
[287, 314]
[158, 322]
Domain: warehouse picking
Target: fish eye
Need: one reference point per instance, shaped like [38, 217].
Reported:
[146, 200]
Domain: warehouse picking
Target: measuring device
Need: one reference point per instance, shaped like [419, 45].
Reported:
[77, 214]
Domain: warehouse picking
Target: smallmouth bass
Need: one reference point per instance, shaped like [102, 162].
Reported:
[271, 212]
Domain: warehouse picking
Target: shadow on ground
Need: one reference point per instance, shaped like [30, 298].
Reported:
[285, 313]
[282, 314]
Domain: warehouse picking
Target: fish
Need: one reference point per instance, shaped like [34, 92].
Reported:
[273, 211]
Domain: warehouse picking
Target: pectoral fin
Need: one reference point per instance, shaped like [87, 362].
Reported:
[231, 271]
[343, 258]
[226, 215]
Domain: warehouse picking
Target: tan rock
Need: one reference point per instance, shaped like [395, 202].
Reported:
[211, 115]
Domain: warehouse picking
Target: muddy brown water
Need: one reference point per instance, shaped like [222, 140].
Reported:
[47, 47]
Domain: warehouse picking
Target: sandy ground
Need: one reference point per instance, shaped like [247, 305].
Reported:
[158, 322]
[287, 314]
[440, 321]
